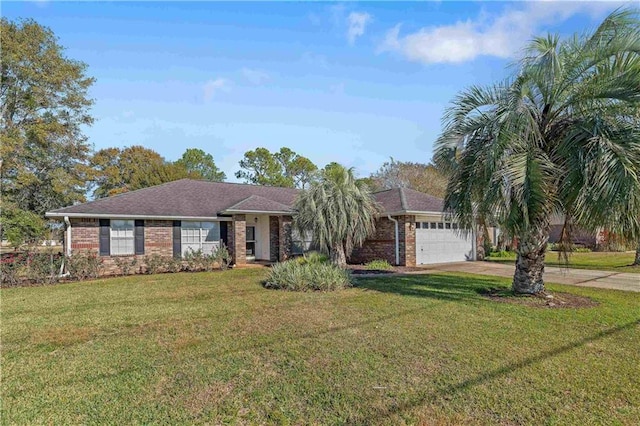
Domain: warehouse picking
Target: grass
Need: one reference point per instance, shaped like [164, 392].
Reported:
[219, 348]
[604, 261]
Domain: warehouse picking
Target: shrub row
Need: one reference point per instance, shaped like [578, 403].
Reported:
[45, 267]
[295, 275]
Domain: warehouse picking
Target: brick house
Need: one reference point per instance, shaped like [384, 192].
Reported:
[254, 222]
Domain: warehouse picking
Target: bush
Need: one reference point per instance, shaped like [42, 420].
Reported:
[503, 253]
[196, 260]
[313, 257]
[155, 264]
[126, 264]
[43, 267]
[222, 257]
[295, 276]
[81, 266]
[13, 268]
[378, 265]
[173, 264]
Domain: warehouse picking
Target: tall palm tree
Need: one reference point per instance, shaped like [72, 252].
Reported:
[559, 137]
[338, 211]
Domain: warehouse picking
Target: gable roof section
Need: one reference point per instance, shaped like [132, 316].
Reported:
[256, 203]
[405, 200]
[184, 198]
[189, 198]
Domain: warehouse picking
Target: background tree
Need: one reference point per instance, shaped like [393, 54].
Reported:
[425, 178]
[284, 168]
[19, 226]
[135, 167]
[556, 138]
[338, 211]
[196, 161]
[44, 104]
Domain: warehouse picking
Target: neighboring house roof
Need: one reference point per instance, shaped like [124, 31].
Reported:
[405, 200]
[189, 198]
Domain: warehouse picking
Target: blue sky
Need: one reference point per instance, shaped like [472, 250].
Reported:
[349, 82]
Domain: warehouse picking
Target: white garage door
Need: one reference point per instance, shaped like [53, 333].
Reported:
[438, 242]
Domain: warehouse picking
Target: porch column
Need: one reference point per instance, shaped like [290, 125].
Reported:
[274, 238]
[284, 227]
[407, 231]
[239, 243]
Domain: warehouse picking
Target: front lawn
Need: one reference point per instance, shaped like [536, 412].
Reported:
[604, 261]
[218, 348]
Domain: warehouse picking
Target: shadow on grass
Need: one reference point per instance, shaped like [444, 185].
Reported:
[381, 414]
[434, 286]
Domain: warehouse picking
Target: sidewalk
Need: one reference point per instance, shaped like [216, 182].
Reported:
[552, 274]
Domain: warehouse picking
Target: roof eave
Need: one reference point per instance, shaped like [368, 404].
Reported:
[131, 216]
[235, 211]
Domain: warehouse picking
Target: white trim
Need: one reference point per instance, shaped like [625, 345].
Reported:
[232, 211]
[397, 238]
[137, 216]
[413, 212]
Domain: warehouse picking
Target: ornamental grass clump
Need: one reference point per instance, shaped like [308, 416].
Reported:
[295, 276]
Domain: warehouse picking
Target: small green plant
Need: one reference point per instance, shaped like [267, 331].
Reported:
[295, 276]
[82, 266]
[126, 264]
[378, 265]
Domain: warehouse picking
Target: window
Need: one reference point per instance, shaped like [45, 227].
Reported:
[425, 225]
[122, 240]
[417, 225]
[302, 243]
[251, 241]
[447, 225]
[440, 225]
[454, 225]
[433, 225]
[203, 236]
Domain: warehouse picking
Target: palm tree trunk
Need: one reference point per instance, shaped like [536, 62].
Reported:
[528, 277]
[338, 256]
[636, 261]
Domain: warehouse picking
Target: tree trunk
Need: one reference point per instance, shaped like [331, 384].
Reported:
[528, 277]
[636, 261]
[338, 256]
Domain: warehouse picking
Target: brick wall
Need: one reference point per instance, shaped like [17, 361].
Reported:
[238, 240]
[284, 227]
[382, 244]
[274, 238]
[157, 240]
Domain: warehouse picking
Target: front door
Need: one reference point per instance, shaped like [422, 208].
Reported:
[251, 242]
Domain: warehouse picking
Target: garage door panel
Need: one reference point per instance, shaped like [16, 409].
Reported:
[441, 246]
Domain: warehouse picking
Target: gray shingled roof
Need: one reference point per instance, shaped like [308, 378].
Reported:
[182, 198]
[403, 200]
[256, 203]
[197, 198]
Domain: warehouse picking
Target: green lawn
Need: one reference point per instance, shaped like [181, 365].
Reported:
[604, 261]
[218, 348]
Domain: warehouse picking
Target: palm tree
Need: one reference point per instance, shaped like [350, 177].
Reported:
[561, 136]
[338, 211]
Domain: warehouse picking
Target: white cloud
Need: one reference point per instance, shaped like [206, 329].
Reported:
[255, 76]
[212, 87]
[357, 24]
[500, 36]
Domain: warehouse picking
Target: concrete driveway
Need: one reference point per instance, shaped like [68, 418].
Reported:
[552, 274]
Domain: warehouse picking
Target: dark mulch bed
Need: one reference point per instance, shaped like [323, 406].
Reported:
[543, 300]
